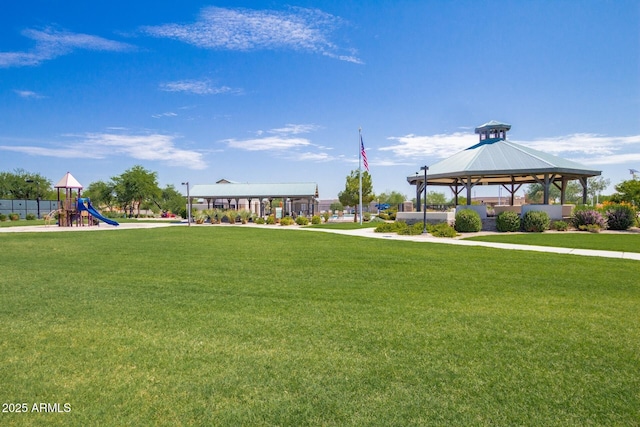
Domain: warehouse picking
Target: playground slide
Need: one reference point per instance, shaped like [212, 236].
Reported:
[94, 213]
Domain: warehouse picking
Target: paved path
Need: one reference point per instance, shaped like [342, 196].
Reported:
[360, 232]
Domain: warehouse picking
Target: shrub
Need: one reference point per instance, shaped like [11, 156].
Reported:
[366, 216]
[245, 215]
[620, 217]
[30, 217]
[287, 220]
[391, 227]
[3, 217]
[442, 230]
[508, 222]
[259, 220]
[326, 216]
[271, 219]
[468, 221]
[383, 216]
[535, 221]
[560, 225]
[413, 230]
[584, 217]
[302, 220]
[591, 228]
[316, 219]
[14, 216]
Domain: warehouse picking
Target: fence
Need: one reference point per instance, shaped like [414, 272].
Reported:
[24, 207]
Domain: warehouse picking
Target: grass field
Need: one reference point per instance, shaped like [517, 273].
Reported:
[600, 241]
[248, 326]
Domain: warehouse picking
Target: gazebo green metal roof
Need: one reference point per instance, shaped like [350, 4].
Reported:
[235, 190]
[497, 161]
[494, 160]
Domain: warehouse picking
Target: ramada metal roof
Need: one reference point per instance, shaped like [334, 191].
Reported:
[246, 190]
[499, 161]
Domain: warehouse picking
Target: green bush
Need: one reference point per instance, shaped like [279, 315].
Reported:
[391, 227]
[383, 216]
[259, 220]
[535, 221]
[271, 219]
[287, 220]
[442, 230]
[302, 220]
[366, 217]
[413, 230]
[316, 219]
[620, 217]
[30, 217]
[508, 222]
[560, 225]
[468, 221]
[3, 217]
[14, 216]
[326, 216]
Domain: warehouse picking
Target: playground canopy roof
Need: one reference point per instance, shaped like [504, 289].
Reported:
[232, 190]
[68, 181]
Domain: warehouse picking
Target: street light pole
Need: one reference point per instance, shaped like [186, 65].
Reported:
[424, 203]
[188, 204]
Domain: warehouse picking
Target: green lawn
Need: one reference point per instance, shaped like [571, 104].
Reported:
[248, 326]
[350, 225]
[599, 241]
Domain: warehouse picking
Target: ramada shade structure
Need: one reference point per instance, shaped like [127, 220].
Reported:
[227, 190]
[494, 160]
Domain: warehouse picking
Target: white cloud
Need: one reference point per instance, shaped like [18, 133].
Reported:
[585, 143]
[154, 147]
[198, 87]
[282, 140]
[50, 44]
[245, 30]
[295, 129]
[167, 114]
[417, 146]
[268, 143]
[27, 94]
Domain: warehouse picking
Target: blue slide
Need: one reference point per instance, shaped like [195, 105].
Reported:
[94, 213]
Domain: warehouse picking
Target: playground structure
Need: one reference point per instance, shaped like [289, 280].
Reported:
[73, 210]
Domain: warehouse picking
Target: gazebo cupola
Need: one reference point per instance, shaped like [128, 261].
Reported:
[493, 131]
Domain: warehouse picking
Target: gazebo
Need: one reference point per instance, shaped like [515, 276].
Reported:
[494, 160]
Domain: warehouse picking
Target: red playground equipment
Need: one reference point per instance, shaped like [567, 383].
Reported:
[74, 209]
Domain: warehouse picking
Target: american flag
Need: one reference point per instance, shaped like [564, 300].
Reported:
[364, 155]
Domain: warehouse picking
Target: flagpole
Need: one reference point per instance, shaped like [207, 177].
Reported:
[360, 171]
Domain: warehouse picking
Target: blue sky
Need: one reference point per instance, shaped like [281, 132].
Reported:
[266, 91]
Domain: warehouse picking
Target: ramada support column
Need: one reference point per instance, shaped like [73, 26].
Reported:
[584, 182]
